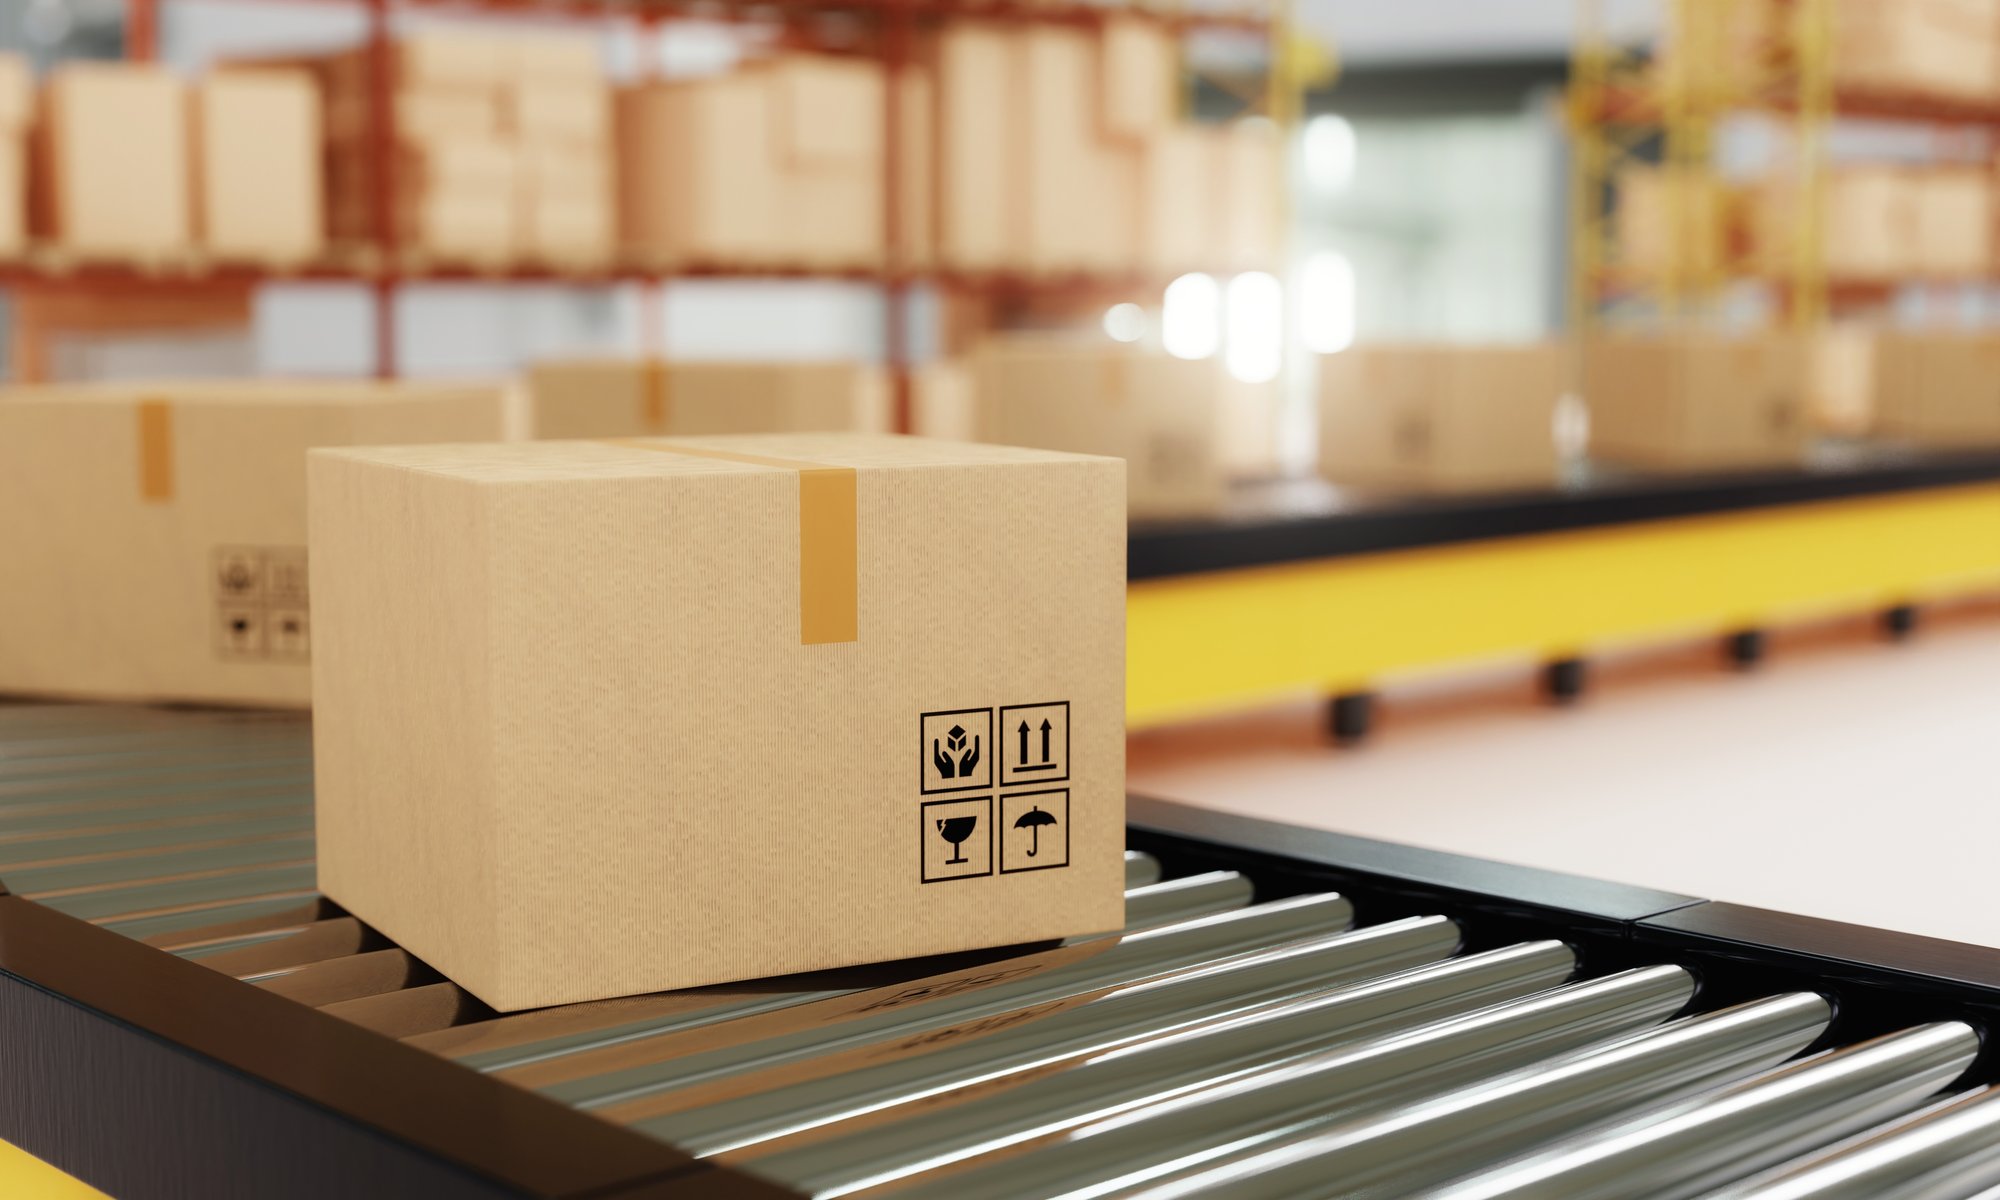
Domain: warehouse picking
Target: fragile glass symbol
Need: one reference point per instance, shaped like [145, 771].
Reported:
[955, 830]
[1032, 821]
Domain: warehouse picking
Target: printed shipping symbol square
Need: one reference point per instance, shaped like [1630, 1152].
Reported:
[1034, 744]
[956, 751]
[1034, 831]
[956, 838]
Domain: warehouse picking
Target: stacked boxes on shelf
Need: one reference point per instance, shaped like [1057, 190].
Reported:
[779, 163]
[502, 149]
[17, 110]
[1943, 48]
[1062, 153]
[1884, 222]
[1931, 388]
[1696, 399]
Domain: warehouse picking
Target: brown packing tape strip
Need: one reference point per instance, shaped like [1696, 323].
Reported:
[829, 545]
[156, 451]
[657, 397]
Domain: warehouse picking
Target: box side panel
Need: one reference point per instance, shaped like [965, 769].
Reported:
[686, 794]
[401, 726]
[590, 399]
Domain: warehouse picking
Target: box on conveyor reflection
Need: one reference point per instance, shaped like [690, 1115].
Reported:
[630, 397]
[610, 717]
[155, 535]
[1440, 416]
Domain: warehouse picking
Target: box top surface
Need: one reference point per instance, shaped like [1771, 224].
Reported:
[521, 462]
[258, 392]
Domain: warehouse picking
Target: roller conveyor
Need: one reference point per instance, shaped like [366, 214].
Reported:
[1286, 1013]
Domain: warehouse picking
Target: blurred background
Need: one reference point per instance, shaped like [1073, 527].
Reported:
[1507, 344]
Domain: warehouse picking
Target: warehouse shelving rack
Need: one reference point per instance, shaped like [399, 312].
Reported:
[386, 266]
[1626, 108]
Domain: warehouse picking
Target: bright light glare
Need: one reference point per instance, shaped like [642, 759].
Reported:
[1125, 322]
[1326, 303]
[1255, 303]
[1329, 153]
[1191, 317]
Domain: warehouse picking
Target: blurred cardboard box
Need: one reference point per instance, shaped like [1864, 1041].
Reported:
[465, 225]
[1163, 415]
[1666, 217]
[917, 182]
[1939, 47]
[1696, 400]
[980, 215]
[17, 94]
[13, 195]
[1872, 215]
[629, 397]
[1938, 389]
[1249, 171]
[1840, 384]
[728, 654]
[1181, 201]
[453, 58]
[259, 191]
[111, 165]
[560, 112]
[1440, 417]
[1138, 76]
[826, 111]
[1954, 222]
[156, 535]
[555, 59]
[699, 180]
[943, 401]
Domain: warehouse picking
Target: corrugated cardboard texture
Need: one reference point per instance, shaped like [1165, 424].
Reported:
[1440, 416]
[1696, 399]
[1162, 415]
[122, 508]
[571, 745]
[630, 397]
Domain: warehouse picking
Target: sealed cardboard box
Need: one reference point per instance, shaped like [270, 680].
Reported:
[1935, 388]
[1696, 400]
[628, 397]
[1163, 415]
[689, 711]
[259, 192]
[700, 180]
[1440, 416]
[156, 536]
[113, 161]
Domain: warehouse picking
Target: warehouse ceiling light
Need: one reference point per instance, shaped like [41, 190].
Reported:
[1329, 150]
[1326, 303]
[1191, 317]
[1125, 322]
[1255, 305]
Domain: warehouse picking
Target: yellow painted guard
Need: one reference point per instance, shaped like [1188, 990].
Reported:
[29, 1178]
[1203, 644]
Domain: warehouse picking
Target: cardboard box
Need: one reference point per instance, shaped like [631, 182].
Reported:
[1162, 415]
[980, 215]
[1872, 214]
[943, 401]
[465, 225]
[560, 112]
[1667, 218]
[1935, 47]
[1440, 417]
[1954, 222]
[827, 111]
[1940, 389]
[628, 397]
[1840, 382]
[917, 182]
[1696, 400]
[740, 656]
[556, 59]
[113, 161]
[259, 193]
[1249, 171]
[13, 194]
[454, 58]
[698, 179]
[156, 536]
[1138, 74]
[1180, 200]
[17, 94]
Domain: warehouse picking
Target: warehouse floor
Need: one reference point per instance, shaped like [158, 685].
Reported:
[1847, 778]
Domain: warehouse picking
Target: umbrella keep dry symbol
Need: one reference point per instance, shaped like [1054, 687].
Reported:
[1032, 821]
